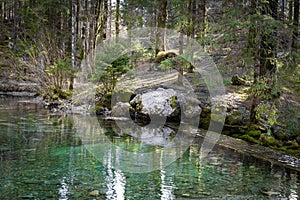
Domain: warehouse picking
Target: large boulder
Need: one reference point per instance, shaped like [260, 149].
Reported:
[161, 102]
[165, 104]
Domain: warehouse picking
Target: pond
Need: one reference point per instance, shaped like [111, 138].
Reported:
[47, 156]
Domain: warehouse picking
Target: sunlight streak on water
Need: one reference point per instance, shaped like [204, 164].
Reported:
[166, 188]
[115, 179]
[63, 191]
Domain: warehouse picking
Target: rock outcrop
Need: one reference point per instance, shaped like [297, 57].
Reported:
[159, 104]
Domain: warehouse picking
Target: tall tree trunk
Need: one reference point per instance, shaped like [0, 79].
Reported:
[110, 34]
[117, 19]
[161, 24]
[254, 46]
[291, 10]
[282, 10]
[268, 42]
[16, 30]
[2, 11]
[202, 19]
[97, 22]
[180, 70]
[295, 40]
[104, 22]
[73, 40]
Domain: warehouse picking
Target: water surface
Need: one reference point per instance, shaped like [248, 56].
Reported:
[46, 156]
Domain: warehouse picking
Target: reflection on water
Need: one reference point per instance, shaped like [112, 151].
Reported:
[115, 180]
[140, 150]
[167, 187]
[44, 157]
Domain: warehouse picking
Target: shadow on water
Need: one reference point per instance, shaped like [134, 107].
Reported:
[46, 156]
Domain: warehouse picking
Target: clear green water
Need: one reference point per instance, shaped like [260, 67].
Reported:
[43, 157]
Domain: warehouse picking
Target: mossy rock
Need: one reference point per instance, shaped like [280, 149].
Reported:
[62, 94]
[270, 141]
[55, 97]
[248, 138]
[163, 55]
[257, 127]
[236, 135]
[293, 145]
[235, 118]
[254, 133]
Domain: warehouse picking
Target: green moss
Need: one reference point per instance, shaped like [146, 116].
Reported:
[235, 118]
[236, 135]
[270, 141]
[295, 152]
[253, 127]
[98, 106]
[173, 102]
[248, 138]
[293, 145]
[63, 94]
[55, 96]
[254, 133]
[283, 148]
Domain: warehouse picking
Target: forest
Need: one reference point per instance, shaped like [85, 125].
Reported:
[46, 44]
